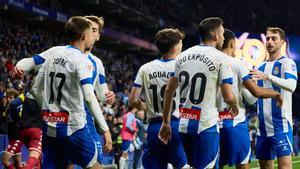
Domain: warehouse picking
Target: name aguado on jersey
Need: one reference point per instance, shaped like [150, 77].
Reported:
[153, 78]
[159, 74]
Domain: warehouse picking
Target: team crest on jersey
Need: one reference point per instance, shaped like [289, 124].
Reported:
[294, 68]
[276, 71]
[90, 67]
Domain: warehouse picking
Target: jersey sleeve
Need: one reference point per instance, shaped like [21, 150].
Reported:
[225, 72]
[290, 69]
[176, 71]
[101, 86]
[36, 61]
[138, 82]
[102, 76]
[84, 71]
[243, 72]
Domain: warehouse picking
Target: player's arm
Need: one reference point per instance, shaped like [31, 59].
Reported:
[289, 84]
[84, 73]
[102, 91]
[257, 91]
[250, 99]
[226, 81]
[290, 73]
[168, 97]
[28, 64]
[134, 98]
[94, 107]
[135, 93]
[165, 131]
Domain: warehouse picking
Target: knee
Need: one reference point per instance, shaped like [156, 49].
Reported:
[5, 160]
[35, 154]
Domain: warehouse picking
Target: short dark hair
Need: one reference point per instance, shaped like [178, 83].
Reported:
[166, 39]
[277, 30]
[207, 26]
[228, 36]
[75, 27]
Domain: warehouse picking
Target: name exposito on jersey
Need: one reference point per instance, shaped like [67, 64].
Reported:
[202, 58]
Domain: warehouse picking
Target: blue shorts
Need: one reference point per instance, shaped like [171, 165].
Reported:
[79, 149]
[95, 135]
[267, 148]
[202, 149]
[125, 145]
[158, 155]
[234, 145]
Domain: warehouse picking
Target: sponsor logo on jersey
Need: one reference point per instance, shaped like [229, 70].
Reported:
[59, 117]
[191, 114]
[225, 115]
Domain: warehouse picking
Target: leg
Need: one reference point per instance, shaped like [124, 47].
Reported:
[81, 149]
[13, 148]
[265, 152]
[266, 164]
[97, 165]
[5, 159]
[123, 159]
[243, 166]
[34, 145]
[154, 155]
[235, 146]
[17, 160]
[33, 160]
[285, 162]
[284, 150]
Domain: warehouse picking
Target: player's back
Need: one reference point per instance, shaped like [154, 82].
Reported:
[63, 105]
[240, 74]
[200, 70]
[153, 77]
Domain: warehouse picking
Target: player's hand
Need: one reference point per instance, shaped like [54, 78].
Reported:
[108, 142]
[234, 110]
[279, 100]
[18, 72]
[165, 133]
[110, 97]
[258, 75]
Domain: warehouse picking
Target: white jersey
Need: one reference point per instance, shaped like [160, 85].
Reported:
[98, 70]
[240, 74]
[200, 70]
[63, 103]
[274, 120]
[153, 77]
[39, 59]
[99, 81]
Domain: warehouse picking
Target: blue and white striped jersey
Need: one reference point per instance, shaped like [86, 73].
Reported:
[274, 120]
